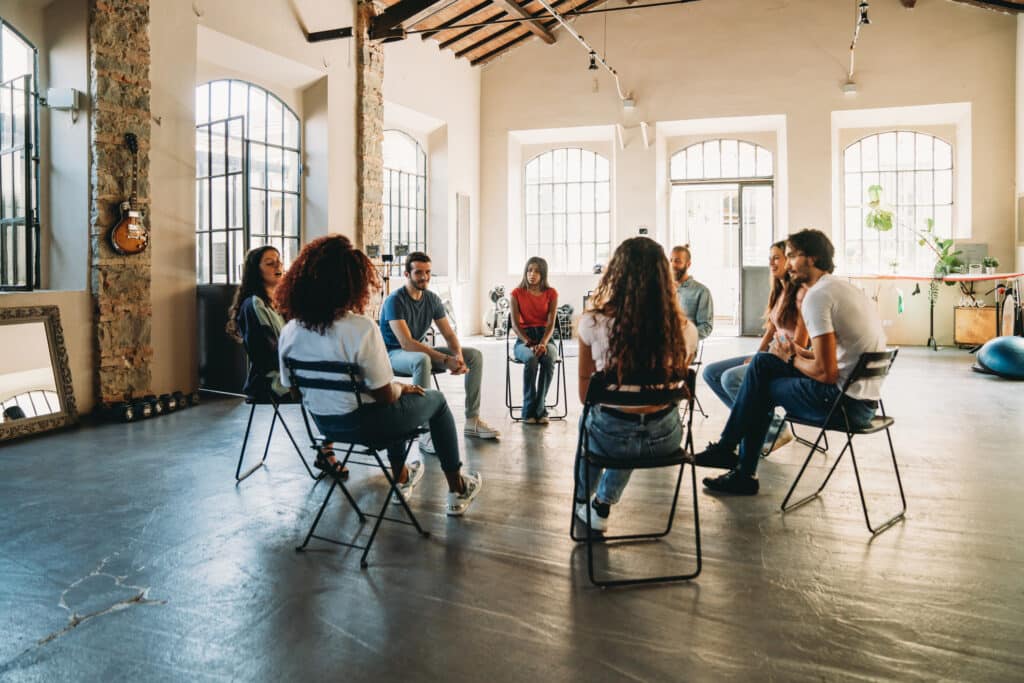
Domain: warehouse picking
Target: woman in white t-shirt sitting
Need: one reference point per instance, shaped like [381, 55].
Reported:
[633, 328]
[323, 295]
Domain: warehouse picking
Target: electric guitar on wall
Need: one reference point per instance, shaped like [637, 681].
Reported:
[129, 235]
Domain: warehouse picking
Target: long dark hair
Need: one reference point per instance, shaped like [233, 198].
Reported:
[252, 284]
[542, 266]
[783, 288]
[638, 293]
[329, 278]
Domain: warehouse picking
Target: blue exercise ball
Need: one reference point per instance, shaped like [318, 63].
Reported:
[1003, 356]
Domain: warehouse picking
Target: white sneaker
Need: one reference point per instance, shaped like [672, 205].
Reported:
[427, 444]
[476, 427]
[415, 474]
[531, 421]
[785, 436]
[458, 503]
[597, 521]
[543, 420]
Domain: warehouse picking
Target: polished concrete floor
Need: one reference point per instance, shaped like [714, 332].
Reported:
[128, 553]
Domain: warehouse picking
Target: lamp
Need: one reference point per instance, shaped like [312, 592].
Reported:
[863, 7]
[593, 61]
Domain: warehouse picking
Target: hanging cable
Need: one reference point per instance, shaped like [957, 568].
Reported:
[593, 53]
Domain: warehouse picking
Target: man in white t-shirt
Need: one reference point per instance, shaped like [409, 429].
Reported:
[843, 325]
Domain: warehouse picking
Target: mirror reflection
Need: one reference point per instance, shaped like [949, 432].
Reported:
[28, 386]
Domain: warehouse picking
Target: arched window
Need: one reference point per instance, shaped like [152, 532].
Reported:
[405, 194]
[567, 193]
[912, 175]
[19, 161]
[721, 160]
[248, 171]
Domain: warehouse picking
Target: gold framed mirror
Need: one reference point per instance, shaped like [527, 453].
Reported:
[36, 393]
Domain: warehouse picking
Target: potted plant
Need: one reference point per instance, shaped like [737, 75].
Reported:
[990, 263]
[878, 218]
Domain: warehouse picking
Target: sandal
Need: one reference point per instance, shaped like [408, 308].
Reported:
[325, 465]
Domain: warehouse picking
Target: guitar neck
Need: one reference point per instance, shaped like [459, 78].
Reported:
[133, 197]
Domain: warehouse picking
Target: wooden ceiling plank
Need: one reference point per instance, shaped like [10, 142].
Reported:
[429, 12]
[564, 11]
[534, 24]
[468, 32]
[457, 19]
[507, 28]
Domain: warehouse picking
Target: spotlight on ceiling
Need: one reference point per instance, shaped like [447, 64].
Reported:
[593, 61]
[864, 20]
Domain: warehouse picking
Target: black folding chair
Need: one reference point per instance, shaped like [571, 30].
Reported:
[600, 393]
[266, 397]
[697, 363]
[561, 390]
[346, 377]
[875, 365]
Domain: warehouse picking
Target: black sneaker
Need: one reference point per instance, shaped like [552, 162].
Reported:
[733, 482]
[718, 456]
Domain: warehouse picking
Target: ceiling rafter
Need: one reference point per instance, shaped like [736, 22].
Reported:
[532, 23]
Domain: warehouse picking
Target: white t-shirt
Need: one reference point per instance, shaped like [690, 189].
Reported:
[352, 339]
[594, 328]
[834, 305]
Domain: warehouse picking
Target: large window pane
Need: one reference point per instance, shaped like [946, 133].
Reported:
[405, 191]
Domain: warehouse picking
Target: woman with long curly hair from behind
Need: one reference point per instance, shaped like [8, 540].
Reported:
[636, 332]
[324, 295]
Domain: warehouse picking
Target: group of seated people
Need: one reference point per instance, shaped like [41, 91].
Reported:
[816, 328]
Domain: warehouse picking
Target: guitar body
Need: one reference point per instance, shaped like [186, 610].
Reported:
[129, 235]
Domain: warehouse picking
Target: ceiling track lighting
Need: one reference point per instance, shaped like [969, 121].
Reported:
[863, 20]
[596, 60]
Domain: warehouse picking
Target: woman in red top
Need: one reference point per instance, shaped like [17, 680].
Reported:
[534, 303]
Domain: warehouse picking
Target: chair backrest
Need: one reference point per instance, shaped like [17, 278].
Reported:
[601, 391]
[872, 365]
[347, 376]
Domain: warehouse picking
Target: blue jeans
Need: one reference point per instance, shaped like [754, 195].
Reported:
[608, 434]
[725, 377]
[770, 382]
[376, 422]
[419, 366]
[536, 384]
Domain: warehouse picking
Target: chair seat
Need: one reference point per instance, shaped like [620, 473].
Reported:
[878, 423]
[512, 359]
[378, 445]
[610, 462]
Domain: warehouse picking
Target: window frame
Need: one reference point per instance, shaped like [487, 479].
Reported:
[30, 197]
[891, 200]
[282, 240]
[388, 209]
[546, 249]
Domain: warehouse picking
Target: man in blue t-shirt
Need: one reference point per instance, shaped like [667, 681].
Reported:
[404, 321]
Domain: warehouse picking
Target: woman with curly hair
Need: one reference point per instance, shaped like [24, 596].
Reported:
[782, 317]
[324, 295]
[633, 329]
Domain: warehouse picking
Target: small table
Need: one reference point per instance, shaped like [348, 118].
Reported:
[960, 278]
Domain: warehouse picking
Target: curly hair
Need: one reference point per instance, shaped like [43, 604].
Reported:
[251, 285]
[786, 290]
[637, 292]
[329, 278]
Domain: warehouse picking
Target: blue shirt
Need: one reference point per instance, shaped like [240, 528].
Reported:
[695, 300]
[418, 315]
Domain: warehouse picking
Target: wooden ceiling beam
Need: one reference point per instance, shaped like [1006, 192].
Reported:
[1004, 5]
[533, 23]
[480, 43]
[388, 24]
[456, 19]
[488, 56]
[909, 4]
[428, 12]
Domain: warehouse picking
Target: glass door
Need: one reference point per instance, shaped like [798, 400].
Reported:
[756, 234]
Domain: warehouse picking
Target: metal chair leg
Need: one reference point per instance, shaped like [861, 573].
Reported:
[298, 450]
[860, 490]
[241, 456]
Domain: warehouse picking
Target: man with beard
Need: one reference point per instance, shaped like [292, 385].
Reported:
[694, 298]
[404, 321]
[843, 325]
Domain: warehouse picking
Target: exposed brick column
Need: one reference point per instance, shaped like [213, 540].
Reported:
[369, 129]
[119, 90]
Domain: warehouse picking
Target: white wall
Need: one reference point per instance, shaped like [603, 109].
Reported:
[419, 77]
[737, 58]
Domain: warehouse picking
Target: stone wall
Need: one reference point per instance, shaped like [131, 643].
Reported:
[119, 61]
[369, 129]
